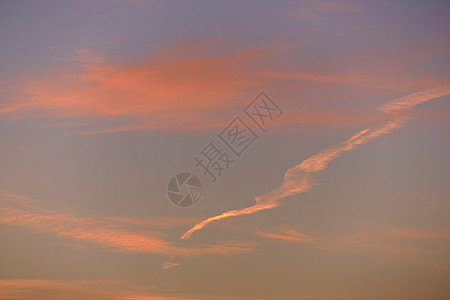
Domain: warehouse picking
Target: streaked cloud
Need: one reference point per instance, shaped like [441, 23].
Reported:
[30, 289]
[379, 239]
[154, 222]
[187, 85]
[163, 92]
[107, 234]
[288, 234]
[387, 240]
[34, 289]
[298, 179]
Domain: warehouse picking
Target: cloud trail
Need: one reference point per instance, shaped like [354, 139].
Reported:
[297, 179]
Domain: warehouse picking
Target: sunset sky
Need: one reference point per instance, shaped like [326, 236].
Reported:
[343, 193]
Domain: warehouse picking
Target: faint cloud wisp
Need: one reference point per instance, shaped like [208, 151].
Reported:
[298, 179]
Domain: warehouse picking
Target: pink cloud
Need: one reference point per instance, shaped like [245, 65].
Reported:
[189, 85]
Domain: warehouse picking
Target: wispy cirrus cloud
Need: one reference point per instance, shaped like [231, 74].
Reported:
[106, 233]
[287, 234]
[388, 240]
[298, 179]
[381, 239]
[153, 222]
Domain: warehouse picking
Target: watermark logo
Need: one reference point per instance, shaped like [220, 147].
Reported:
[184, 190]
[221, 152]
[238, 136]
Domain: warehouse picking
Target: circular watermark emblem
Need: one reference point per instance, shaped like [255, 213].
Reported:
[184, 190]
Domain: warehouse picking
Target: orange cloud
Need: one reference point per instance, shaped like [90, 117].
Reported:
[163, 92]
[32, 289]
[154, 222]
[289, 235]
[29, 289]
[287, 230]
[108, 233]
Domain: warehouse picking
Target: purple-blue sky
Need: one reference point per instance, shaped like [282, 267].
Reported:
[102, 102]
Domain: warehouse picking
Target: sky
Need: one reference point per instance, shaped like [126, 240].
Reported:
[314, 135]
